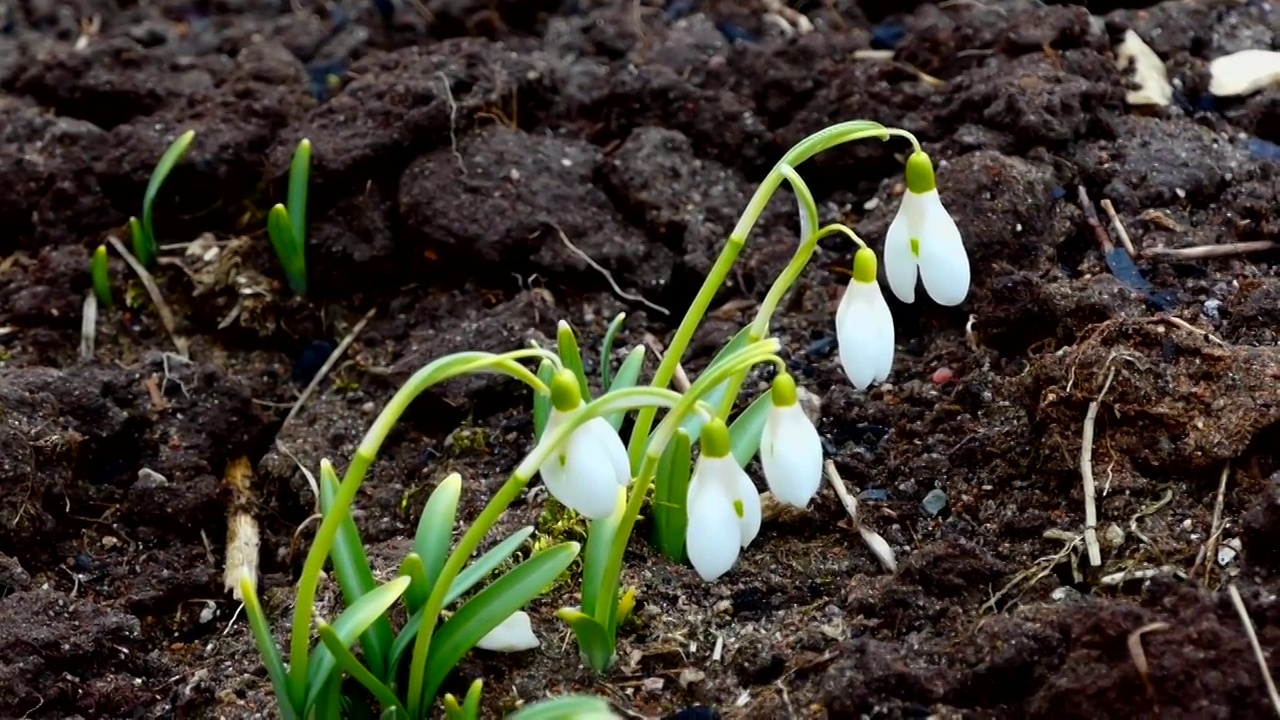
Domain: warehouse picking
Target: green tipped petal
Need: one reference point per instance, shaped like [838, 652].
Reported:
[919, 173]
[864, 265]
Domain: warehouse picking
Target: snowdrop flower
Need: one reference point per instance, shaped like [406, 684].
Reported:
[512, 635]
[864, 325]
[723, 506]
[790, 449]
[923, 240]
[585, 472]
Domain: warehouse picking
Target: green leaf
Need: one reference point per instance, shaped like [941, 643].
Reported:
[288, 252]
[606, 351]
[571, 357]
[744, 433]
[172, 156]
[627, 376]
[100, 275]
[471, 704]
[569, 707]
[351, 624]
[351, 567]
[267, 647]
[352, 666]
[594, 641]
[482, 613]
[419, 589]
[452, 710]
[542, 401]
[670, 492]
[144, 248]
[299, 174]
[595, 560]
[486, 564]
[435, 527]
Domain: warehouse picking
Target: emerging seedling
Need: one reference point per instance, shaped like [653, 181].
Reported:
[99, 273]
[143, 232]
[287, 226]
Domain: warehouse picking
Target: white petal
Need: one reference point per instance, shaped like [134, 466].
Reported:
[791, 454]
[611, 445]
[512, 635]
[582, 476]
[900, 264]
[864, 334]
[944, 264]
[746, 493]
[553, 470]
[715, 532]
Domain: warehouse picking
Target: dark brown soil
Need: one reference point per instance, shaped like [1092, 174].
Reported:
[458, 146]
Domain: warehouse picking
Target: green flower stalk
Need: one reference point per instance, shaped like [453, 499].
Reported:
[287, 225]
[143, 231]
[100, 276]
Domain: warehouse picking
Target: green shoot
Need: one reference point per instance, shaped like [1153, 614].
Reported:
[100, 275]
[287, 225]
[143, 231]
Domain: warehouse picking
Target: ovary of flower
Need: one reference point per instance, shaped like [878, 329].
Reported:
[923, 240]
[723, 506]
[790, 449]
[864, 326]
[585, 471]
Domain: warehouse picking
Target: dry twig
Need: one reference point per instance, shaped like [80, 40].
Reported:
[872, 539]
[1257, 646]
[1210, 548]
[153, 290]
[607, 275]
[1139, 656]
[680, 380]
[1091, 217]
[1204, 252]
[1119, 228]
[328, 365]
[1086, 475]
[89, 326]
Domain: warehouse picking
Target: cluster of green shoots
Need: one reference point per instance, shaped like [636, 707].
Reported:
[286, 224]
[401, 670]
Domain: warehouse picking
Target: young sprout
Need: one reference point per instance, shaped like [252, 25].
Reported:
[923, 240]
[864, 325]
[723, 505]
[790, 449]
[587, 471]
[100, 275]
[287, 226]
[143, 232]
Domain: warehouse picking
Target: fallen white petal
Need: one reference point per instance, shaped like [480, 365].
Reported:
[1243, 72]
[1149, 72]
[515, 634]
[865, 334]
[791, 455]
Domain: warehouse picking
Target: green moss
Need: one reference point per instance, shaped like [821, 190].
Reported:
[466, 441]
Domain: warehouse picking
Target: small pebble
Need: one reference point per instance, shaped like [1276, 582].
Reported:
[934, 503]
[874, 495]
[943, 375]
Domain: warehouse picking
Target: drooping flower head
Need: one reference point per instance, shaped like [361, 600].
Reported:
[924, 241]
[585, 472]
[723, 506]
[864, 325]
[790, 449]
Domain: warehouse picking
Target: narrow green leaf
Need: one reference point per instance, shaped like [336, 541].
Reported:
[471, 704]
[419, 589]
[170, 159]
[694, 422]
[351, 568]
[594, 641]
[299, 174]
[486, 564]
[351, 624]
[569, 707]
[628, 375]
[670, 491]
[280, 231]
[606, 350]
[595, 559]
[404, 640]
[329, 700]
[435, 527]
[267, 647]
[571, 357]
[100, 275]
[452, 710]
[744, 433]
[352, 666]
[542, 401]
[482, 613]
[144, 248]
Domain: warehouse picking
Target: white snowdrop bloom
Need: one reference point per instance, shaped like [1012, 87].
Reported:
[723, 506]
[585, 472]
[864, 326]
[790, 449]
[514, 634]
[923, 240]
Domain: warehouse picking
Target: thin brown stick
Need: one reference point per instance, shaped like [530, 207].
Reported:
[1086, 475]
[1180, 323]
[1139, 656]
[153, 290]
[1257, 646]
[1205, 252]
[1091, 217]
[1215, 527]
[608, 276]
[1119, 228]
[872, 539]
[680, 379]
[328, 365]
